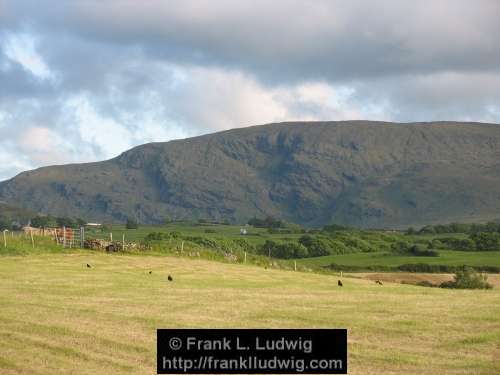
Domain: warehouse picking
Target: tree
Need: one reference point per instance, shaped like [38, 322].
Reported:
[486, 240]
[131, 224]
[316, 247]
[411, 231]
[43, 221]
[65, 222]
[284, 250]
[5, 224]
[80, 222]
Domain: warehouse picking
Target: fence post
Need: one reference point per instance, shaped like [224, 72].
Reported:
[182, 246]
[111, 236]
[82, 237]
[245, 257]
[295, 265]
[32, 240]
[64, 236]
[4, 239]
[123, 242]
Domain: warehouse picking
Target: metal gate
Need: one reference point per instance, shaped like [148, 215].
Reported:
[70, 237]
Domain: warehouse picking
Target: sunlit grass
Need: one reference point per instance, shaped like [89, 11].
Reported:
[58, 316]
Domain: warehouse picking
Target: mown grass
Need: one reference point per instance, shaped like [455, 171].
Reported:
[59, 317]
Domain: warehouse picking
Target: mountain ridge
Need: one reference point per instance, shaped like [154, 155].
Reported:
[362, 173]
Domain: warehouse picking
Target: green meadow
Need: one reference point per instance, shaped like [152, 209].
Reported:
[58, 316]
[446, 257]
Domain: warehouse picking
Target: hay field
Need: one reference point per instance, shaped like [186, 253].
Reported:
[59, 317]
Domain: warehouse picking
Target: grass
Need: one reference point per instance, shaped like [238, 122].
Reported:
[57, 316]
[447, 257]
[216, 231]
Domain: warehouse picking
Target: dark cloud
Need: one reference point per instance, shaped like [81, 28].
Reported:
[120, 73]
[291, 40]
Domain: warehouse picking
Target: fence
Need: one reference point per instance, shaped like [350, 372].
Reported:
[70, 237]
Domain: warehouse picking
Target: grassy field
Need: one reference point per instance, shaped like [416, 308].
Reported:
[59, 317]
[447, 257]
[218, 231]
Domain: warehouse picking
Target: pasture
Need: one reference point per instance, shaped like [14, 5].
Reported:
[59, 317]
[447, 257]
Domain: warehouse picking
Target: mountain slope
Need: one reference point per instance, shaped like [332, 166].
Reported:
[355, 172]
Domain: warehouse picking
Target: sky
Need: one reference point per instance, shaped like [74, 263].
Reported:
[82, 81]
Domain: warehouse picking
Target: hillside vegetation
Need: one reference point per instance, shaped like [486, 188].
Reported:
[361, 173]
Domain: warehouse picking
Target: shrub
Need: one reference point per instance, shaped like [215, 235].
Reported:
[400, 247]
[468, 278]
[268, 222]
[284, 250]
[465, 244]
[316, 247]
[422, 251]
[5, 224]
[332, 228]
[486, 240]
[175, 234]
[155, 236]
[65, 222]
[43, 221]
[419, 250]
[131, 224]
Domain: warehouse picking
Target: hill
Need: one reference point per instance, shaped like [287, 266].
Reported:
[10, 213]
[363, 173]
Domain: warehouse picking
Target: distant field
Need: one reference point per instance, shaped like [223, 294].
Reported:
[220, 231]
[447, 257]
[59, 317]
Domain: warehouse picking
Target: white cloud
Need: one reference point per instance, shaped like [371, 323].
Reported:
[21, 49]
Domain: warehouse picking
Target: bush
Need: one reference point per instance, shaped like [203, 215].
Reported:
[464, 244]
[65, 222]
[131, 224]
[486, 240]
[43, 221]
[175, 234]
[284, 250]
[268, 222]
[332, 228]
[5, 224]
[422, 251]
[156, 236]
[419, 250]
[468, 278]
[316, 247]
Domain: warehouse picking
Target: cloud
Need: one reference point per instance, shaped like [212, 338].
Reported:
[90, 79]
[286, 40]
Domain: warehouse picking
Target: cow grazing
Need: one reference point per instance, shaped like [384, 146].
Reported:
[339, 283]
[170, 278]
[379, 282]
[89, 266]
[150, 272]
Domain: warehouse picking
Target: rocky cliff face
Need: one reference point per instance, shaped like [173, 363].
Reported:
[362, 173]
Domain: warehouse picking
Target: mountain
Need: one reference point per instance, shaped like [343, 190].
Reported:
[363, 173]
[10, 213]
